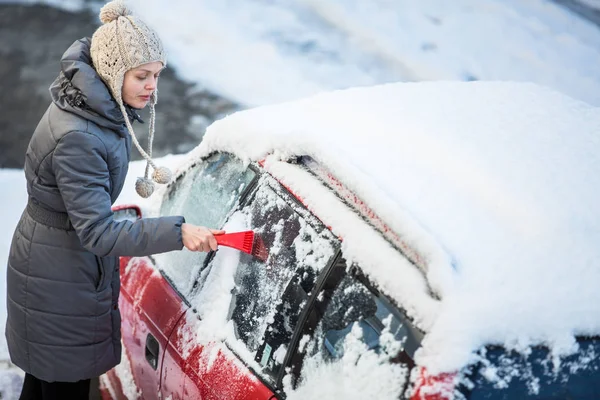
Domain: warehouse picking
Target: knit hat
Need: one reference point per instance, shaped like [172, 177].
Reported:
[122, 43]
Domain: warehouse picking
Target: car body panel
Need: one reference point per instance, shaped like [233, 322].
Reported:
[150, 308]
[210, 370]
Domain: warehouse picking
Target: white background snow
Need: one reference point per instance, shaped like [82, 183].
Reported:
[259, 52]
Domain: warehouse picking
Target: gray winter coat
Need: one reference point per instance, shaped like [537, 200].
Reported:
[63, 282]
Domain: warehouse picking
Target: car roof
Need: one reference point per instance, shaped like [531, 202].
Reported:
[498, 180]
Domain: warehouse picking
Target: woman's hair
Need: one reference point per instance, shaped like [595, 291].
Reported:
[121, 43]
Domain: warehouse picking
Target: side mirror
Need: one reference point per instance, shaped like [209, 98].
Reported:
[126, 212]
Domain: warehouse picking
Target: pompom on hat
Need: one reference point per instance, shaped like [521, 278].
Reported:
[122, 43]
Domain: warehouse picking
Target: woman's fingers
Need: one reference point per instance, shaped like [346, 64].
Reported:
[204, 246]
[212, 243]
[200, 238]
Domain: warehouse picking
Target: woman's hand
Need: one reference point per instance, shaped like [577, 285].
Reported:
[199, 238]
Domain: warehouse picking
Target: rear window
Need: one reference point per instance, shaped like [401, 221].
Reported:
[357, 337]
[374, 320]
[536, 376]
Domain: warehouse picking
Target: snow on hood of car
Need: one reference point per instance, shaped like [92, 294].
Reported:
[504, 177]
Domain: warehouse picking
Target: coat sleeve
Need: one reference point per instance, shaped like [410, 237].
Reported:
[83, 179]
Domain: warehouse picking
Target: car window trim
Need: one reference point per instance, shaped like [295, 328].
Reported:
[299, 329]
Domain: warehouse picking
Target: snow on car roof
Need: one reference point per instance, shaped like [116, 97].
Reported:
[502, 176]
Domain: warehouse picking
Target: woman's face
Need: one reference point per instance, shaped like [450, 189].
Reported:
[139, 84]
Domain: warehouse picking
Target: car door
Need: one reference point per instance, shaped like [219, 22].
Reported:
[154, 289]
[236, 334]
[150, 309]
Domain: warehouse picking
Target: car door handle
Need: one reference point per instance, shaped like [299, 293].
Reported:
[152, 351]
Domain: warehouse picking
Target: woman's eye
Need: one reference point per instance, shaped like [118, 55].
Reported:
[141, 78]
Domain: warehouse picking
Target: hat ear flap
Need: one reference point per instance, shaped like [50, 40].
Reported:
[117, 88]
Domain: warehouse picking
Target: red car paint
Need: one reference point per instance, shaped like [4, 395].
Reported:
[149, 307]
[186, 370]
[212, 371]
[433, 387]
[120, 207]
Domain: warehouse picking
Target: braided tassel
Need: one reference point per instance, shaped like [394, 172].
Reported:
[143, 186]
[161, 175]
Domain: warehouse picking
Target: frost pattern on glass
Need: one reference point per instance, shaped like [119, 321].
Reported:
[360, 338]
[204, 195]
[269, 296]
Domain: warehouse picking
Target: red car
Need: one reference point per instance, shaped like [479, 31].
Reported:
[316, 319]
[305, 296]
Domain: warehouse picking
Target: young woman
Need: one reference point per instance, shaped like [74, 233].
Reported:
[63, 323]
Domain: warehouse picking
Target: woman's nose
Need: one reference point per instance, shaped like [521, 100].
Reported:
[151, 84]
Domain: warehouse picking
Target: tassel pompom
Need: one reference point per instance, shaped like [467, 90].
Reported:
[144, 187]
[113, 10]
[162, 175]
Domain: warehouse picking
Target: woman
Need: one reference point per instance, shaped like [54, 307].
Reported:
[63, 323]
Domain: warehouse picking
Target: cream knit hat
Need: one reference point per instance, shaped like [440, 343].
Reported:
[122, 43]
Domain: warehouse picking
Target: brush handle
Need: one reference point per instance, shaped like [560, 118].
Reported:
[236, 240]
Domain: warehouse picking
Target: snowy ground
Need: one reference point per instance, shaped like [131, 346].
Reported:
[11, 206]
[260, 52]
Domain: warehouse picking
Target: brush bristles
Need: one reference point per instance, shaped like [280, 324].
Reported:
[248, 242]
[258, 249]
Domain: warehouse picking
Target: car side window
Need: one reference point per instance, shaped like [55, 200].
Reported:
[204, 195]
[269, 296]
[354, 322]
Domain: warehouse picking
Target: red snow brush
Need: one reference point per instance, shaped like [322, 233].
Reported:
[246, 241]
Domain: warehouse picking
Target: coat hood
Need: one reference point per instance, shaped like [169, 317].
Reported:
[79, 89]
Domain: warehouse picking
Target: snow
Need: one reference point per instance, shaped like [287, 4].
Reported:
[357, 365]
[105, 384]
[13, 203]
[362, 245]
[209, 327]
[591, 3]
[515, 165]
[11, 381]
[259, 52]
[213, 301]
[125, 375]
[69, 5]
